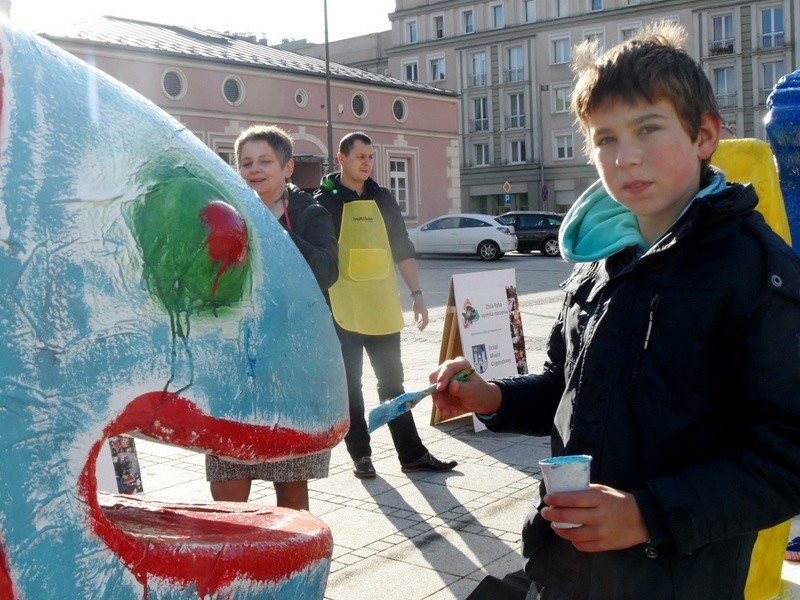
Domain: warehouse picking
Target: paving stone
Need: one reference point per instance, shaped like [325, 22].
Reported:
[378, 577]
[448, 551]
[353, 528]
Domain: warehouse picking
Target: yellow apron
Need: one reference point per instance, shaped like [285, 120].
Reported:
[365, 299]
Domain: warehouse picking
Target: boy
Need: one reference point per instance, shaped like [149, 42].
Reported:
[675, 359]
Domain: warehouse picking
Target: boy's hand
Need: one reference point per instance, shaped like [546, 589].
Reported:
[454, 398]
[610, 519]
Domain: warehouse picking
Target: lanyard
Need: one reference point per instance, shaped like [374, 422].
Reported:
[286, 212]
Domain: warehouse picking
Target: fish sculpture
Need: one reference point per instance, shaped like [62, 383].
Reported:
[144, 289]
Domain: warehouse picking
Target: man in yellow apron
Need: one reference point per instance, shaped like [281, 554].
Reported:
[365, 301]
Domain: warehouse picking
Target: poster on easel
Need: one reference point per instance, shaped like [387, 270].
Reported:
[483, 323]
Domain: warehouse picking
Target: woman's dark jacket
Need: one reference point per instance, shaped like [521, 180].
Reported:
[680, 374]
[311, 228]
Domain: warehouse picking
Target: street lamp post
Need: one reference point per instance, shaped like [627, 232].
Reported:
[328, 91]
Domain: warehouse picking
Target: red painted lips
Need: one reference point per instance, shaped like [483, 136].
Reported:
[206, 545]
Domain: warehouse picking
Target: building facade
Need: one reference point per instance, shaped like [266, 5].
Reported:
[509, 60]
[217, 84]
[366, 52]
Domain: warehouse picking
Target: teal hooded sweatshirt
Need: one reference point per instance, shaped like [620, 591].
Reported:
[597, 226]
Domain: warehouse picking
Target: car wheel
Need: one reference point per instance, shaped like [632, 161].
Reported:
[489, 250]
[550, 247]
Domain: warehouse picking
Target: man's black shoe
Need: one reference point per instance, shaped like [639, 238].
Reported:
[363, 469]
[428, 462]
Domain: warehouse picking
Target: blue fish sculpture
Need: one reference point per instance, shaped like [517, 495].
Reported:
[144, 289]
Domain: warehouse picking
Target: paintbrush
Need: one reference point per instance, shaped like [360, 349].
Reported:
[391, 409]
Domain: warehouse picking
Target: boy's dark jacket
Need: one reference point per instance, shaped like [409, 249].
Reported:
[312, 231]
[333, 195]
[680, 374]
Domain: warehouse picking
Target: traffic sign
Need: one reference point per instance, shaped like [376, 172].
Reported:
[506, 187]
[507, 200]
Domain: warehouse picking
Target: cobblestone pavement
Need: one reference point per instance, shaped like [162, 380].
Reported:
[421, 535]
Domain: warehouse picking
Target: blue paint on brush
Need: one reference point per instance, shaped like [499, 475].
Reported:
[391, 409]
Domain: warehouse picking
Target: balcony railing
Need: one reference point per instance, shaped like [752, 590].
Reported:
[476, 125]
[727, 100]
[513, 75]
[772, 40]
[718, 47]
[515, 122]
[478, 80]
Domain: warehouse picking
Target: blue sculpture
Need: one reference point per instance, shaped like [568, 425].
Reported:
[783, 134]
[145, 289]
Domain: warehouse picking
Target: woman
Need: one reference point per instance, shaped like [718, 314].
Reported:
[264, 159]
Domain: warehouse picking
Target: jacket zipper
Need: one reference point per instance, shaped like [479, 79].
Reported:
[651, 317]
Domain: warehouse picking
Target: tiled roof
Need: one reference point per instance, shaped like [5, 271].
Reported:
[204, 44]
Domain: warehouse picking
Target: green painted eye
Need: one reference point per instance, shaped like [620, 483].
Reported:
[194, 247]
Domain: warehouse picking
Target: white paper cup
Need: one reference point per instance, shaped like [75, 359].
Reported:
[566, 474]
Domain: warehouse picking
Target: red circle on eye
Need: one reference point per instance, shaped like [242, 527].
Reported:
[227, 236]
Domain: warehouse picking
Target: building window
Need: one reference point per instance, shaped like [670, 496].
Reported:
[516, 111]
[411, 71]
[498, 21]
[469, 21]
[560, 8]
[174, 84]
[438, 27]
[399, 109]
[233, 90]
[560, 51]
[480, 114]
[562, 145]
[481, 154]
[772, 27]
[398, 182]
[479, 69]
[561, 98]
[301, 98]
[437, 68]
[597, 36]
[359, 105]
[725, 87]
[516, 65]
[411, 32]
[721, 35]
[229, 156]
[595, 5]
[626, 32]
[518, 154]
[771, 73]
[565, 198]
[530, 11]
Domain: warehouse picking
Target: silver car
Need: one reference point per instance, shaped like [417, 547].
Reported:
[484, 235]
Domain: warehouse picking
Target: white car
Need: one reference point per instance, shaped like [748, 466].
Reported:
[484, 235]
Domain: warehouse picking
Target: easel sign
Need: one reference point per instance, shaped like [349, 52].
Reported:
[483, 323]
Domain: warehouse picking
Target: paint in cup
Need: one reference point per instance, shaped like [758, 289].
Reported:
[566, 474]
